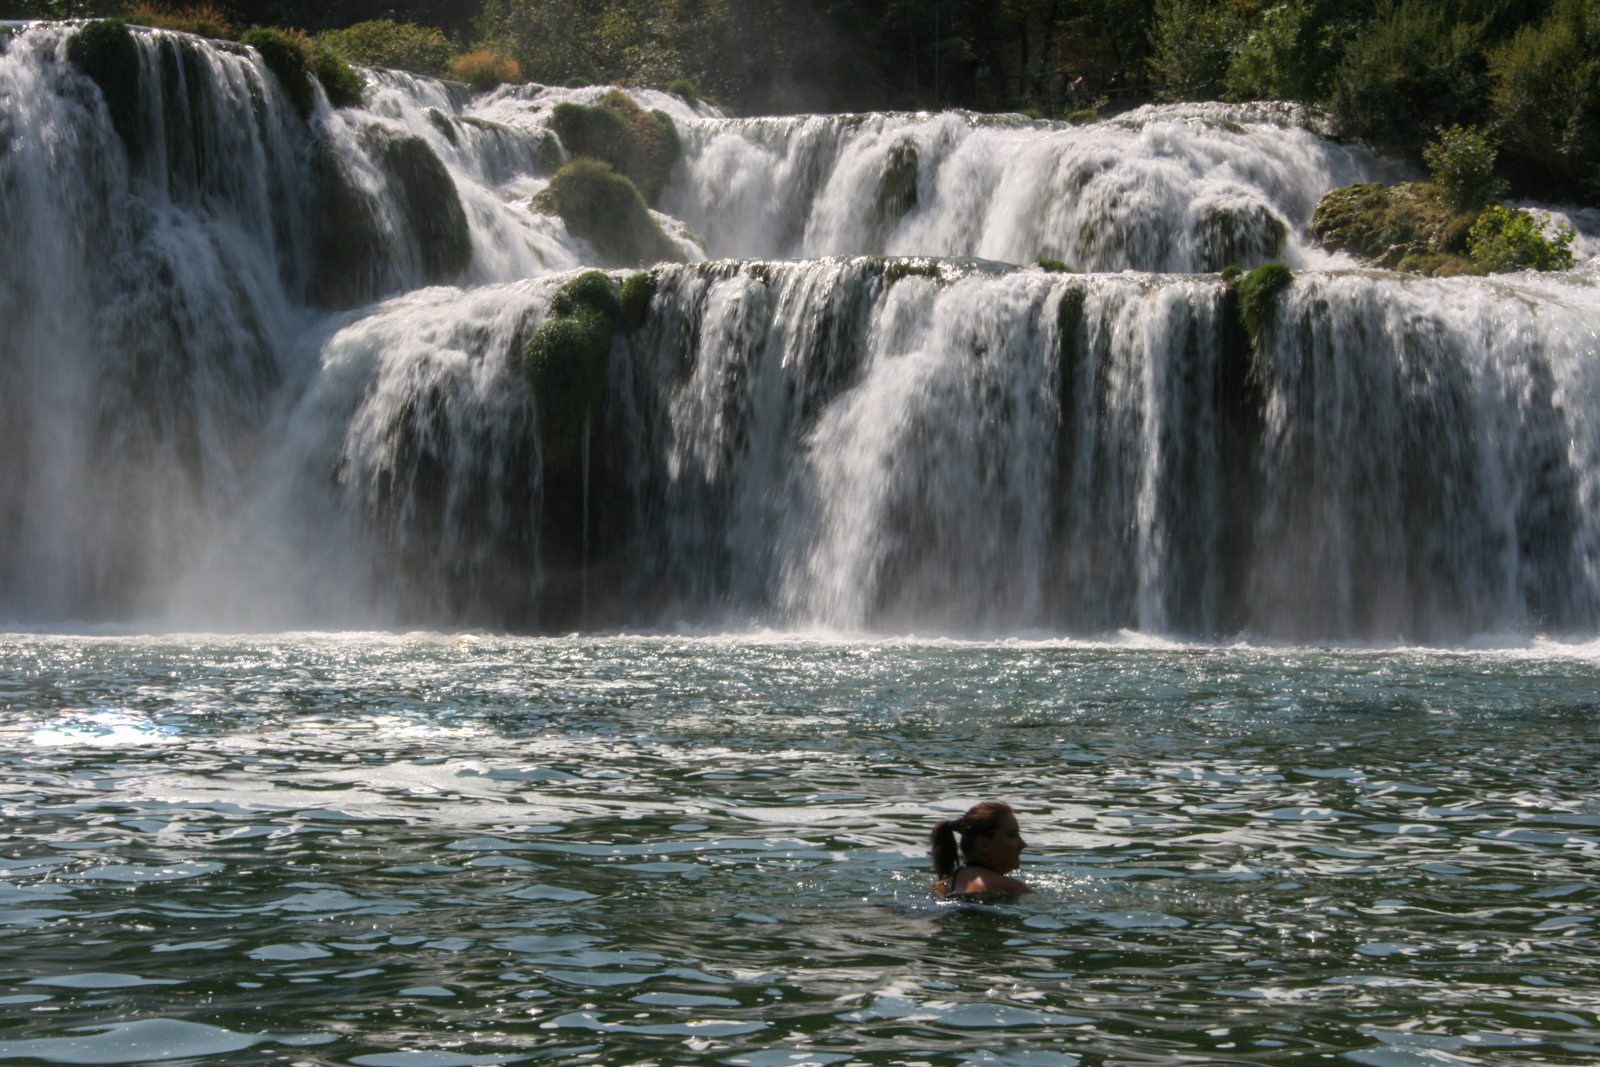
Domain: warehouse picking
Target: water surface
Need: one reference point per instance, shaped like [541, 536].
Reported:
[423, 849]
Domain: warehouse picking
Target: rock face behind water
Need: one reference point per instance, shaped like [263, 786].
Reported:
[1404, 226]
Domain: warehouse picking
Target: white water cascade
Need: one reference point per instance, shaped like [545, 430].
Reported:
[257, 371]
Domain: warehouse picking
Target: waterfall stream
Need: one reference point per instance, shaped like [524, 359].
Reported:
[258, 370]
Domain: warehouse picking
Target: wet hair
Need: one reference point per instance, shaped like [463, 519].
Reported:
[981, 820]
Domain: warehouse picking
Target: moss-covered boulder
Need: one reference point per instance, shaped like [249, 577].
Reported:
[641, 145]
[637, 292]
[565, 363]
[432, 207]
[105, 51]
[1238, 233]
[294, 60]
[1256, 292]
[1406, 226]
[605, 209]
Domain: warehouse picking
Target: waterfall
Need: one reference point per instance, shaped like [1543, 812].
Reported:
[263, 369]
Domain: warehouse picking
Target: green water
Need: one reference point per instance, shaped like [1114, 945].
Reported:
[432, 850]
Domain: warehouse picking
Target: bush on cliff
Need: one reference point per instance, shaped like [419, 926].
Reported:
[295, 60]
[565, 363]
[202, 20]
[395, 45]
[605, 209]
[641, 145]
[1505, 239]
[1546, 95]
[487, 70]
[105, 52]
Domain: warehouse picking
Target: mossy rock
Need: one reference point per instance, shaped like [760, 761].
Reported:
[342, 82]
[1256, 291]
[897, 184]
[566, 363]
[1247, 233]
[896, 269]
[1053, 266]
[441, 122]
[637, 292]
[106, 53]
[643, 146]
[605, 209]
[432, 207]
[1388, 225]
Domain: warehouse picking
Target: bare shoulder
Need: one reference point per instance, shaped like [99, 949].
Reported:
[971, 881]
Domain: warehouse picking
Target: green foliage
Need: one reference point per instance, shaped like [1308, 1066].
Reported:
[288, 57]
[684, 88]
[1387, 225]
[1195, 41]
[576, 83]
[1546, 94]
[1462, 164]
[1290, 53]
[342, 82]
[1407, 72]
[605, 209]
[105, 52]
[1256, 291]
[1231, 272]
[1054, 266]
[565, 362]
[203, 20]
[1082, 116]
[432, 207]
[1506, 239]
[643, 146]
[637, 292]
[396, 45]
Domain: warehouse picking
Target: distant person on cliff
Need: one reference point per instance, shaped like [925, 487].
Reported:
[990, 849]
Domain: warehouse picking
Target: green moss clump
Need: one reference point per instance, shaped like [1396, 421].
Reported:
[896, 269]
[605, 209]
[684, 89]
[1231, 272]
[637, 292]
[1388, 225]
[576, 83]
[289, 60]
[565, 362]
[432, 207]
[1054, 266]
[1256, 291]
[642, 146]
[106, 53]
[1083, 116]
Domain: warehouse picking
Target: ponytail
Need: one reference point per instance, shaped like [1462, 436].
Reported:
[942, 844]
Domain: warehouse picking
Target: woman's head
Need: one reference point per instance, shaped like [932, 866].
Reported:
[989, 837]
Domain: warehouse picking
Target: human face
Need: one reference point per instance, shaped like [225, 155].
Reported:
[1001, 851]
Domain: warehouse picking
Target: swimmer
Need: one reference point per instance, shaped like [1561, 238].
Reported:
[991, 842]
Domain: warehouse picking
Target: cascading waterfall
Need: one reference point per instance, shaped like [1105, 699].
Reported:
[264, 369]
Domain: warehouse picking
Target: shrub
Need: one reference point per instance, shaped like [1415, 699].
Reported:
[288, 56]
[396, 45]
[641, 145]
[1231, 272]
[1545, 98]
[1194, 43]
[486, 70]
[1256, 291]
[1462, 164]
[106, 53]
[565, 362]
[202, 20]
[576, 83]
[342, 82]
[1505, 239]
[1408, 72]
[683, 87]
[637, 292]
[605, 209]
